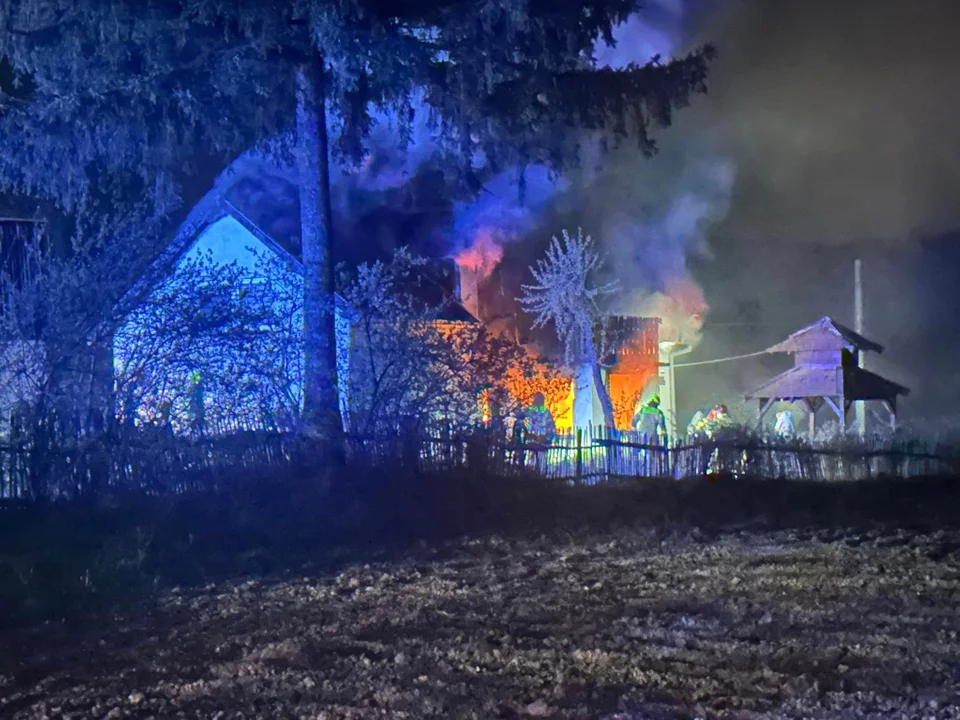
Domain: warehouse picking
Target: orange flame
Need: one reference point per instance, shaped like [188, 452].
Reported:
[483, 255]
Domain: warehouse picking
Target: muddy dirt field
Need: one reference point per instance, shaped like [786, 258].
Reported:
[619, 625]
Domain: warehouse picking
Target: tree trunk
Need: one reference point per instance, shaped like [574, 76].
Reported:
[321, 407]
[606, 404]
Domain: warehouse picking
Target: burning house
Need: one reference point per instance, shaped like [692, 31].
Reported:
[631, 371]
[636, 365]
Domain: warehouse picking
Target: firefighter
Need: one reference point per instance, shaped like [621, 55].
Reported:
[695, 429]
[718, 419]
[539, 421]
[649, 420]
[784, 427]
[517, 431]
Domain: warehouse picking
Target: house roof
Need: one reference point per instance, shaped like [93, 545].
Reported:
[262, 196]
[825, 335]
[191, 231]
[201, 216]
[800, 382]
[808, 381]
[433, 287]
[862, 384]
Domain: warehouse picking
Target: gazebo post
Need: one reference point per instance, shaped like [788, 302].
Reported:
[765, 404]
[838, 410]
[812, 421]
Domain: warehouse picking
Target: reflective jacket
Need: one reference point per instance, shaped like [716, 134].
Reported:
[540, 422]
[650, 421]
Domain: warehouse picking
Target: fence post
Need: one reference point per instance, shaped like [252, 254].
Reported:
[578, 473]
[609, 434]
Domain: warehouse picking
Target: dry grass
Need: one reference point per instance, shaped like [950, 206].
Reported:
[619, 624]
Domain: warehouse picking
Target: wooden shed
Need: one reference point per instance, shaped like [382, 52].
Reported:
[827, 370]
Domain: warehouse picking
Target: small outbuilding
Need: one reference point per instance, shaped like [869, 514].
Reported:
[827, 369]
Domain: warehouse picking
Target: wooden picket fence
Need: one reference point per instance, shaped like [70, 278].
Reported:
[599, 455]
[95, 466]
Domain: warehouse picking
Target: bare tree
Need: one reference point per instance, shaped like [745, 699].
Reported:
[410, 367]
[224, 342]
[566, 295]
[68, 354]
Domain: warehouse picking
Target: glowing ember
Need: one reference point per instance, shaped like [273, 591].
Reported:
[482, 256]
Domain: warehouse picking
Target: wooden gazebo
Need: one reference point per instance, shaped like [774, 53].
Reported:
[826, 370]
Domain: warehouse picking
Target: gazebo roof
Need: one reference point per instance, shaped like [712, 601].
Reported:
[806, 381]
[860, 384]
[825, 335]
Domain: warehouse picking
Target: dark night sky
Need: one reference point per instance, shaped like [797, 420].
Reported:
[841, 122]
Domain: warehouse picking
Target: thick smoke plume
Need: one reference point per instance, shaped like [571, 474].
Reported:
[829, 132]
[501, 214]
[648, 216]
[652, 215]
[841, 121]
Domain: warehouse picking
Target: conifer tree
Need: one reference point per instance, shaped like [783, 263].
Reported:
[118, 106]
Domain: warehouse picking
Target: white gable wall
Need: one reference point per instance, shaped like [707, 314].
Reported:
[226, 242]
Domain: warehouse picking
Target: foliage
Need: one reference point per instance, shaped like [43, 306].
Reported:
[409, 368]
[516, 81]
[119, 103]
[564, 295]
[55, 326]
[236, 330]
[239, 329]
[154, 93]
[112, 87]
[118, 106]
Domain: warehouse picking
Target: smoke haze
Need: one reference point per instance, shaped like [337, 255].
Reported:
[841, 116]
[841, 121]
[829, 134]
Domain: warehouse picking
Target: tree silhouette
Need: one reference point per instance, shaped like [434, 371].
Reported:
[566, 295]
[123, 106]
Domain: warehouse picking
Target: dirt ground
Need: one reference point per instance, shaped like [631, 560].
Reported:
[626, 624]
